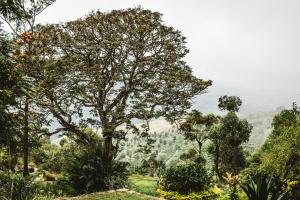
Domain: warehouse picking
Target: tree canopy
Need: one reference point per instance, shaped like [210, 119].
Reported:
[230, 103]
[120, 66]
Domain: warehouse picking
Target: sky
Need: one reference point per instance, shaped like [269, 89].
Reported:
[247, 48]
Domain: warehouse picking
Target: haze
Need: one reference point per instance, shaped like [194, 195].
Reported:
[248, 48]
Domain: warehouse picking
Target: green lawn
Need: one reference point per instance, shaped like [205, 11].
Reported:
[144, 184]
[113, 196]
[141, 188]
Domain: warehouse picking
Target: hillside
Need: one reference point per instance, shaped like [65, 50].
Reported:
[170, 144]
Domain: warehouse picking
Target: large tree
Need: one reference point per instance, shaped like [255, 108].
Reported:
[121, 66]
[20, 16]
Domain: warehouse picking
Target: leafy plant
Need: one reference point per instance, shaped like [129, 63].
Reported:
[210, 194]
[233, 182]
[185, 179]
[262, 188]
[89, 172]
[13, 186]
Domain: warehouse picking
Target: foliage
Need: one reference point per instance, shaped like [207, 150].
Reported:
[20, 16]
[134, 70]
[196, 127]
[88, 171]
[225, 148]
[287, 117]
[60, 187]
[233, 182]
[12, 86]
[192, 155]
[15, 186]
[10, 79]
[152, 166]
[280, 155]
[210, 194]
[230, 103]
[50, 157]
[262, 188]
[186, 178]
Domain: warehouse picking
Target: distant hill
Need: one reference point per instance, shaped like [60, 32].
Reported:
[261, 127]
[170, 144]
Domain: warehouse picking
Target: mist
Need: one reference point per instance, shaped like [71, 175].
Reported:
[247, 48]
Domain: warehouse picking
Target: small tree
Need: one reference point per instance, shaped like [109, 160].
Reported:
[21, 16]
[197, 127]
[10, 90]
[186, 179]
[227, 138]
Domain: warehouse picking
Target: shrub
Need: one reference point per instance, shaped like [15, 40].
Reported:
[49, 176]
[88, 172]
[262, 188]
[185, 179]
[210, 194]
[15, 186]
[60, 187]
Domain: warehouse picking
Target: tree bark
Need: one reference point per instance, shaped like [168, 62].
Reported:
[13, 156]
[108, 149]
[26, 140]
[217, 156]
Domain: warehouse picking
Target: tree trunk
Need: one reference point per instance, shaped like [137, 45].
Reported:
[199, 146]
[217, 157]
[13, 160]
[108, 149]
[26, 140]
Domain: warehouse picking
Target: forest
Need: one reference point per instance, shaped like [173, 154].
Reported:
[102, 108]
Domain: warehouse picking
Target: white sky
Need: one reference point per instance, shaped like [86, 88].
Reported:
[248, 48]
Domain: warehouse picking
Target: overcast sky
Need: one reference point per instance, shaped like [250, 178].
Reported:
[248, 48]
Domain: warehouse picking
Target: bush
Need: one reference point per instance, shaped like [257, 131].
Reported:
[210, 194]
[88, 172]
[186, 179]
[49, 176]
[60, 187]
[15, 186]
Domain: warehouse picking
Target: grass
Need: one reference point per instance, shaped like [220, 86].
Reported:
[142, 188]
[113, 196]
[144, 184]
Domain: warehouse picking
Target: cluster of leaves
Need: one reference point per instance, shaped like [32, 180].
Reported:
[230, 103]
